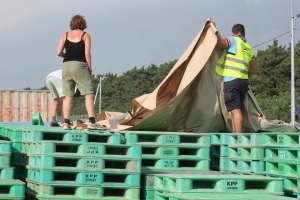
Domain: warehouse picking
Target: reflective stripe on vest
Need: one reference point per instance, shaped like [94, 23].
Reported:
[235, 65]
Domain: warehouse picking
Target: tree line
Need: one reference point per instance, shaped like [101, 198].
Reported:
[271, 85]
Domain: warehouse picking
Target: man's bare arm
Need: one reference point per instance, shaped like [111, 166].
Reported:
[222, 43]
[252, 67]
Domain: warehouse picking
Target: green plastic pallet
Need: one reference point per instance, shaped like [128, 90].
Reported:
[147, 176]
[286, 154]
[219, 163]
[252, 184]
[85, 149]
[283, 167]
[213, 196]
[253, 153]
[6, 173]
[82, 191]
[244, 166]
[219, 138]
[289, 140]
[71, 136]
[219, 150]
[291, 185]
[12, 188]
[157, 152]
[63, 176]
[5, 146]
[13, 133]
[246, 139]
[175, 164]
[5, 159]
[85, 163]
[16, 147]
[166, 138]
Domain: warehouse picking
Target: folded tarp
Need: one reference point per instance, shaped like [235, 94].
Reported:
[190, 98]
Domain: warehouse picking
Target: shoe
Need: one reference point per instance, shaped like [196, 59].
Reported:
[95, 126]
[54, 124]
[66, 126]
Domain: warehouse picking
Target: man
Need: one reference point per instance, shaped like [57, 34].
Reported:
[54, 84]
[236, 64]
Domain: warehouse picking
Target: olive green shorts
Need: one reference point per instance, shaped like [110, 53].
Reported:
[74, 72]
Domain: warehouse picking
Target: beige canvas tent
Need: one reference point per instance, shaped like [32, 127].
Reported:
[190, 98]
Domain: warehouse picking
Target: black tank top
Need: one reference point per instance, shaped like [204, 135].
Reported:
[75, 51]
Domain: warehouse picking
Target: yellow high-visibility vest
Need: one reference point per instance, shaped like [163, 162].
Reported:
[235, 65]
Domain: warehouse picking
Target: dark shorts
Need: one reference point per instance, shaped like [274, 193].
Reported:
[235, 93]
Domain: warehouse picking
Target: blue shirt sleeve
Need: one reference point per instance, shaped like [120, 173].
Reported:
[232, 48]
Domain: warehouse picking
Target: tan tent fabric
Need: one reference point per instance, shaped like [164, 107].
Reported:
[190, 98]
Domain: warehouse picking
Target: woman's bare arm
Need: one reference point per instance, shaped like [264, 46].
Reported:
[88, 55]
[60, 47]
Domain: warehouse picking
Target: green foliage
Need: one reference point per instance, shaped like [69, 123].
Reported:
[43, 88]
[27, 88]
[272, 83]
[274, 74]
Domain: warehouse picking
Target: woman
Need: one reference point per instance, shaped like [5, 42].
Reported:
[77, 69]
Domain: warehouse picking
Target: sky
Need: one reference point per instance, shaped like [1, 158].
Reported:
[127, 33]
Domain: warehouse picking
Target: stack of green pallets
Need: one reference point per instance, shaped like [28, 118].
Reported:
[58, 164]
[219, 152]
[246, 153]
[283, 159]
[10, 188]
[171, 150]
[170, 153]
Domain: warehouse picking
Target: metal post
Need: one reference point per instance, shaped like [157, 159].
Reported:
[96, 94]
[293, 22]
[100, 93]
[292, 76]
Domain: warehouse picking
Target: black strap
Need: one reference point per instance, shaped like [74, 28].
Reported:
[66, 35]
[83, 35]
[133, 116]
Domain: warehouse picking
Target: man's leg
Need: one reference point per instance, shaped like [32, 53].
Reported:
[232, 123]
[237, 119]
[61, 109]
[54, 106]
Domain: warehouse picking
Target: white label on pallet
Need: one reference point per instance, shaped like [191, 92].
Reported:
[281, 154]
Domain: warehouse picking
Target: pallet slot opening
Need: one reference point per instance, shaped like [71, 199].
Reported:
[96, 138]
[116, 151]
[114, 192]
[4, 189]
[200, 184]
[64, 191]
[188, 152]
[114, 178]
[64, 177]
[65, 162]
[189, 139]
